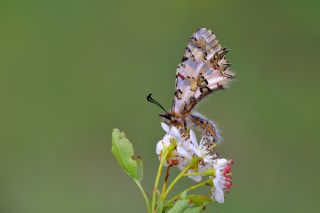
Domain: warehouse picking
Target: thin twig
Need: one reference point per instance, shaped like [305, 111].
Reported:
[163, 159]
[181, 175]
[190, 189]
[165, 180]
[144, 194]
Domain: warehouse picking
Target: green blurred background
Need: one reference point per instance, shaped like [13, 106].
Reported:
[71, 71]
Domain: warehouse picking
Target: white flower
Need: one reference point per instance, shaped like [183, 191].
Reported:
[201, 149]
[222, 180]
[181, 155]
[187, 150]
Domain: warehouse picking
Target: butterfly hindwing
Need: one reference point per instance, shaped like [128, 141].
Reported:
[206, 126]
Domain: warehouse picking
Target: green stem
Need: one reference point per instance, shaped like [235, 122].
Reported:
[165, 180]
[195, 174]
[163, 159]
[144, 194]
[210, 172]
[190, 189]
[179, 177]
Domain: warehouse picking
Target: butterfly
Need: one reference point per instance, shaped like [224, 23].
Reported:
[203, 70]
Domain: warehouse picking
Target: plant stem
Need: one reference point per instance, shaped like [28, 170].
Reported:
[197, 174]
[209, 172]
[181, 175]
[144, 194]
[165, 180]
[163, 159]
[203, 183]
[194, 174]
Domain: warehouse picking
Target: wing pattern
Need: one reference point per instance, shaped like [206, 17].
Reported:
[203, 70]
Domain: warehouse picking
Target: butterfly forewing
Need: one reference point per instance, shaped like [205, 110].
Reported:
[203, 69]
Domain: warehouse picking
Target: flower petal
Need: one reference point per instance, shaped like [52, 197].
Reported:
[217, 184]
[218, 195]
[159, 147]
[165, 127]
[221, 162]
[166, 140]
[196, 178]
[183, 152]
[175, 133]
[193, 137]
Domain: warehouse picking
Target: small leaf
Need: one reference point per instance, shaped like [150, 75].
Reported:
[159, 206]
[123, 151]
[196, 209]
[179, 206]
[170, 203]
[199, 200]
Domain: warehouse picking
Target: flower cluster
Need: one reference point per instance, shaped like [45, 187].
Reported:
[198, 158]
[222, 180]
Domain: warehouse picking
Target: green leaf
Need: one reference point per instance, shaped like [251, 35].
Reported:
[196, 209]
[199, 200]
[159, 206]
[179, 206]
[123, 151]
[170, 204]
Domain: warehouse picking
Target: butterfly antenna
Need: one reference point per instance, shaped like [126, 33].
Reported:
[150, 99]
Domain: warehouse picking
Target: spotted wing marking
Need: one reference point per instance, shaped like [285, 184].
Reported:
[203, 69]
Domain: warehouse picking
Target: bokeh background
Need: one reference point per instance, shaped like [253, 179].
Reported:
[71, 71]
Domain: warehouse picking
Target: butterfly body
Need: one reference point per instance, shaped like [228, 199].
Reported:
[203, 70]
[185, 121]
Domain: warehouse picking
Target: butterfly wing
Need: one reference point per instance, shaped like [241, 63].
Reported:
[206, 126]
[203, 69]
